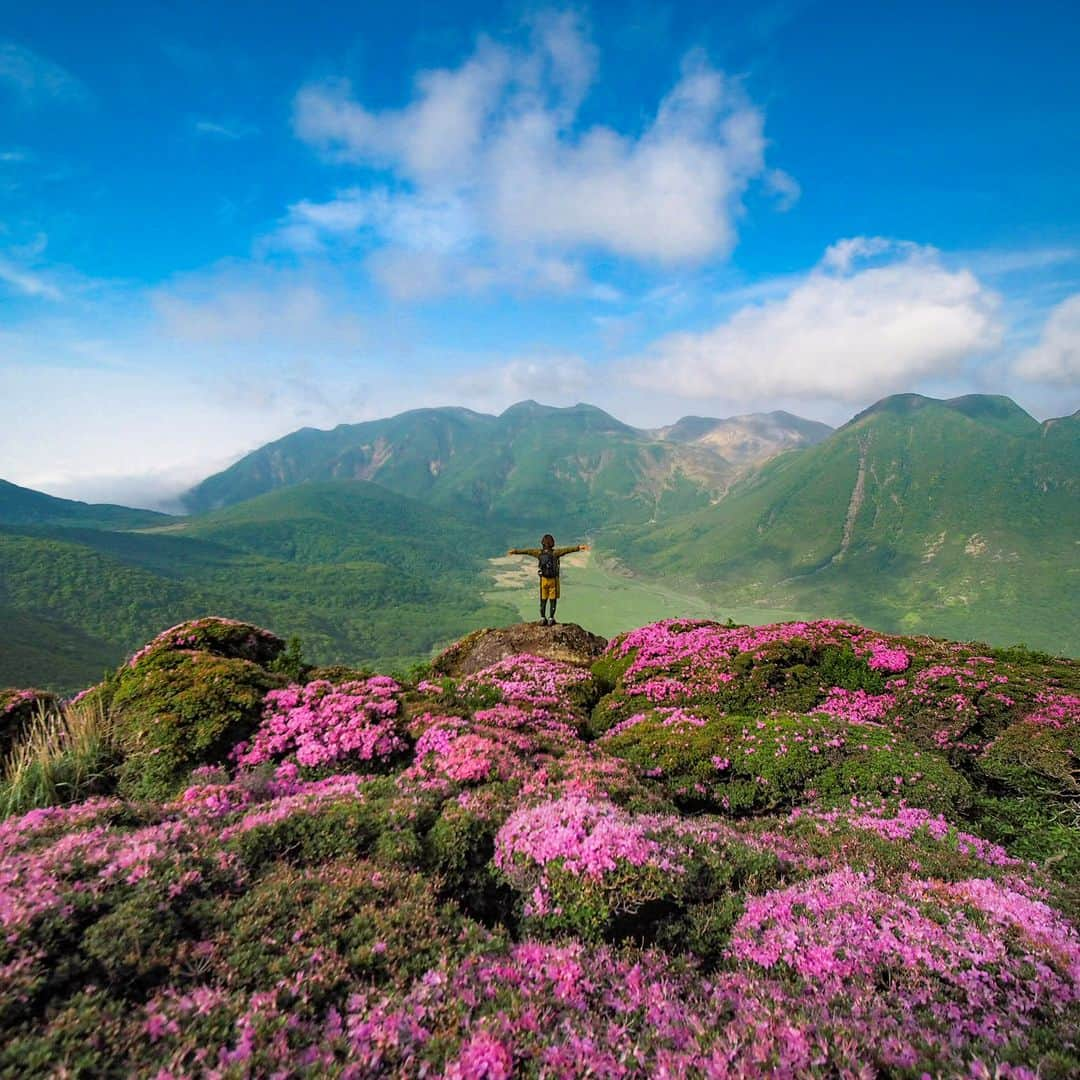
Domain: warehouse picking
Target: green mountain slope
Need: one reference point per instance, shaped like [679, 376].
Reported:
[363, 575]
[959, 517]
[527, 467]
[24, 506]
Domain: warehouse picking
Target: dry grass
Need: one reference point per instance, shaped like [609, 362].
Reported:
[65, 755]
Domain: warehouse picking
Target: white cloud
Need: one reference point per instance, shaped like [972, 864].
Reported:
[551, 378]
[489, 156]
[229, 129]
[28, 282]
[35, 80]
[1055, 357]
[785, 187]
[844, 333]
[275, 312]
[418, 222]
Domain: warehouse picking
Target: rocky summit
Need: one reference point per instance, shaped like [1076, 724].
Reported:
[565, 642]
[807, 849]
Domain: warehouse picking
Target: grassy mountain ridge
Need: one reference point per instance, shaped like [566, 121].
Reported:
[24, 506]
[958, 515]
[955, 517]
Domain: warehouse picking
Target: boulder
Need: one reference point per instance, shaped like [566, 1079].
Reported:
[563, 641]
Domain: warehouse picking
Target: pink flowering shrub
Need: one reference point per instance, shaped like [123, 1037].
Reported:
[952, 955]
[820, 849]
[533, 682]
[583, 864]
[884, 658]
[321, 724]
[748, 764]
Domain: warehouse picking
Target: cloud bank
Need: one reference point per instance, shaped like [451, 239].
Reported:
[875, 316]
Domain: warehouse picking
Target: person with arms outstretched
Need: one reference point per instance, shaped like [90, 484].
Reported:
[547, 557]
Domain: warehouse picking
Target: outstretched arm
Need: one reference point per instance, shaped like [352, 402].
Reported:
[560, 552]
[534, 552]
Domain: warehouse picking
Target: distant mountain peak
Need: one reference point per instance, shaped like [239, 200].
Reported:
[997, 410]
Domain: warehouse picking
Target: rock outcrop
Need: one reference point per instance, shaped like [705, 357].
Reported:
[567, 642]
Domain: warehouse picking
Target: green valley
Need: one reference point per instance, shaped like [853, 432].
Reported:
[361, 574]
[610, 601]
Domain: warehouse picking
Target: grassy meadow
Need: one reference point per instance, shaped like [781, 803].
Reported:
[607, 602]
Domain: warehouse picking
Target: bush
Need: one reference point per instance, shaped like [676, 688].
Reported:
[1032, 759]
[588, 868]
[290, 663]
[179, 710]
[461, 844]
[750, 765]
[340, 924]
[306, 838]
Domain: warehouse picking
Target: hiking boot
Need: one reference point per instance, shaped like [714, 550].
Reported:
[551, 622]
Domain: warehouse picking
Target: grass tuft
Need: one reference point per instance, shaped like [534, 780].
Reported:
[66, 754]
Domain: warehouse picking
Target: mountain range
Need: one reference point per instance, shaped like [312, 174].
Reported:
[524, 466]
[957, 517]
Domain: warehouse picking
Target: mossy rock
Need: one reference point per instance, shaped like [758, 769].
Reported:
[17, 709]
[181, 710]
[227, 638]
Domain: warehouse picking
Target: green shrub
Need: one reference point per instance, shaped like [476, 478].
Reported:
[180, 710]
[87, 1036]
[290, 663]
[701, 930]
[750, 765]
[641, 902]
[337, 674]
[609, 711]
[896, 769]
[460, 846]
[1046, 831]
[340, 924]
[1033, 759]
[610, 669]
[334, 830]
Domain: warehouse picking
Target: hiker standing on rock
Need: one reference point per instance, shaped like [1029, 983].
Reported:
[547, 556]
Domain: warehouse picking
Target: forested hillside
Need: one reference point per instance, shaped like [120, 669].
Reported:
[360, 573]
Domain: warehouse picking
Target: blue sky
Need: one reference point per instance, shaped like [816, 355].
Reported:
[219, 223]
